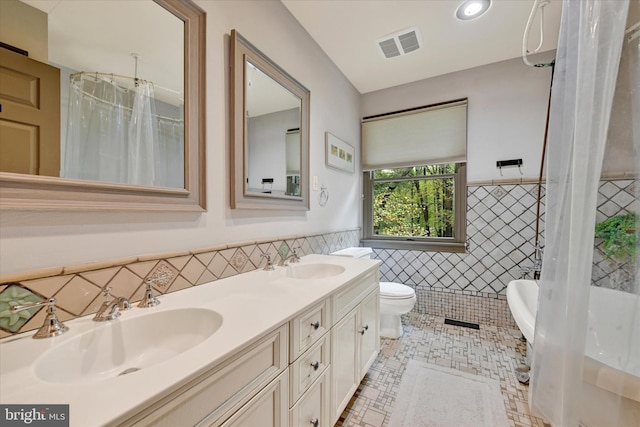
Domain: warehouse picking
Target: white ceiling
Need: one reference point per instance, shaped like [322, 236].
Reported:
[101, 35]
[347, 31]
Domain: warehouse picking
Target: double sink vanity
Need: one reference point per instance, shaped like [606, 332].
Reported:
[286, 347]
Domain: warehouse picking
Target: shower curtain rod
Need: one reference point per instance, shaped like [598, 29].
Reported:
[113, 104]
[120, 76]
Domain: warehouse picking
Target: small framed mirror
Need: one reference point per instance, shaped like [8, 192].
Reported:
[269, 133]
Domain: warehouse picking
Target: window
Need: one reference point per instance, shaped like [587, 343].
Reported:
[415, 179]
[416, 207]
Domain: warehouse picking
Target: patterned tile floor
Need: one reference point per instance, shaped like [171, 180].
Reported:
[491, 352]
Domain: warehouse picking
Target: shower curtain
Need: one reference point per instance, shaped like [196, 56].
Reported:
[589, 51]
[115, 135]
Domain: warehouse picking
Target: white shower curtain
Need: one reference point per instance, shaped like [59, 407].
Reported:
[589, 49]
[114, 135]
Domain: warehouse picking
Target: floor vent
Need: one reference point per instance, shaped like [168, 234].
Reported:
[400, 43]
[463, 324]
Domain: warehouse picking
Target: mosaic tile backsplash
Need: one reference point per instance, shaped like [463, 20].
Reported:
[77, 290]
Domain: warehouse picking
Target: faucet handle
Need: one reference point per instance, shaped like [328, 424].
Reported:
[269, 266]
[295, 257]
[107, 294]
[52, 326]
[149, 299]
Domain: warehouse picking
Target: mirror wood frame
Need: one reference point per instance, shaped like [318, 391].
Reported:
[242, 51]
[29, 192]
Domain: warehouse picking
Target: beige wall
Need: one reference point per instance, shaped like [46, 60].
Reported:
[24, 27]
[506, 112]
[33, 240]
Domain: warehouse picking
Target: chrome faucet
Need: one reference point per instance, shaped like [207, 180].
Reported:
[537, 261]
[52, 326]
[293, 258]
[110, 309]
[534, 271]
[269, 266]
[149, 299]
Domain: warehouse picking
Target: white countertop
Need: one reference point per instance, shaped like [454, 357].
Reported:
[251, 305]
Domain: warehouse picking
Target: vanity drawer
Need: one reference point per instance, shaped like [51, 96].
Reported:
[308, 327]
[268, 408]
[345, 300]
[308, 367]
[313, 408]
[210, 399]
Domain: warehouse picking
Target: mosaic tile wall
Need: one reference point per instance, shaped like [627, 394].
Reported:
[614, 197]
[501, 232]
[471, 286]
[78, 289]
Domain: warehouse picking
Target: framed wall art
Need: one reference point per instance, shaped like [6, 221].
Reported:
[339, 154]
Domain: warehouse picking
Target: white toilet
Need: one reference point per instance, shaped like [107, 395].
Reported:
[396, 299]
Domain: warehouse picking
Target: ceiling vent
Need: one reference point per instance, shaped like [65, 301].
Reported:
[400, 43]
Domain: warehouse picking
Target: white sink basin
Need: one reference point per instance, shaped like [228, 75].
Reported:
[313, 271]
[125, 346]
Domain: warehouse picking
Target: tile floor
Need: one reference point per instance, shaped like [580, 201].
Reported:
[490, 351]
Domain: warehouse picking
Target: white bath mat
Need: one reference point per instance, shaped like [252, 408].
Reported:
[434, 396]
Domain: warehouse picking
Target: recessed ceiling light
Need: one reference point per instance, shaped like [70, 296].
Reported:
[471, 9]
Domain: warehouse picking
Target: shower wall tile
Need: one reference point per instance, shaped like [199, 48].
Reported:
[471, 286]
[501, 224]
[79, 293]
[501, 230]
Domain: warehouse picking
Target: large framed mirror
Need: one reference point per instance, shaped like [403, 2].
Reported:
[126, 128]
[270, 133]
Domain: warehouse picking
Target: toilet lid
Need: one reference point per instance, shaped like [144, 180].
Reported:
[396, 290]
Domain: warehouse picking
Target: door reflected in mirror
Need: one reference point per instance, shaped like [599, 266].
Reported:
[168, 37]
[273, 135]
[120, 118]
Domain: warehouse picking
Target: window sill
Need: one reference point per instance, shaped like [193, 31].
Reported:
[456, 247]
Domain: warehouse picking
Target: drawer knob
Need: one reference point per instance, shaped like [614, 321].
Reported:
[316, 325]
[315, 422]
[364, 329]
[315, 365]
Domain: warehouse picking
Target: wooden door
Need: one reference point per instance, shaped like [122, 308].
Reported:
[29, 115]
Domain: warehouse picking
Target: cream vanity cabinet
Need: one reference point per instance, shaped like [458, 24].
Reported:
[300, 374]
[355, 339]
[252, 384]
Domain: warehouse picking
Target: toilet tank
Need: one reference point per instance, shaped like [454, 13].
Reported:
[355, 252]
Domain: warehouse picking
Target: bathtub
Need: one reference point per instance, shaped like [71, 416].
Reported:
[608, 383]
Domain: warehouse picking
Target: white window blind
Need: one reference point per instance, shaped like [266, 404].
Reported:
[430, 135]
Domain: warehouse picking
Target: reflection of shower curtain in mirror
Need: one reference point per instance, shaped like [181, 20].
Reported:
[115, 135]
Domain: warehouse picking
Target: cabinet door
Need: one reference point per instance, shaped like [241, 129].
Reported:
[312, 410]
[269, 408]
[345, 372]
[369, 331]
